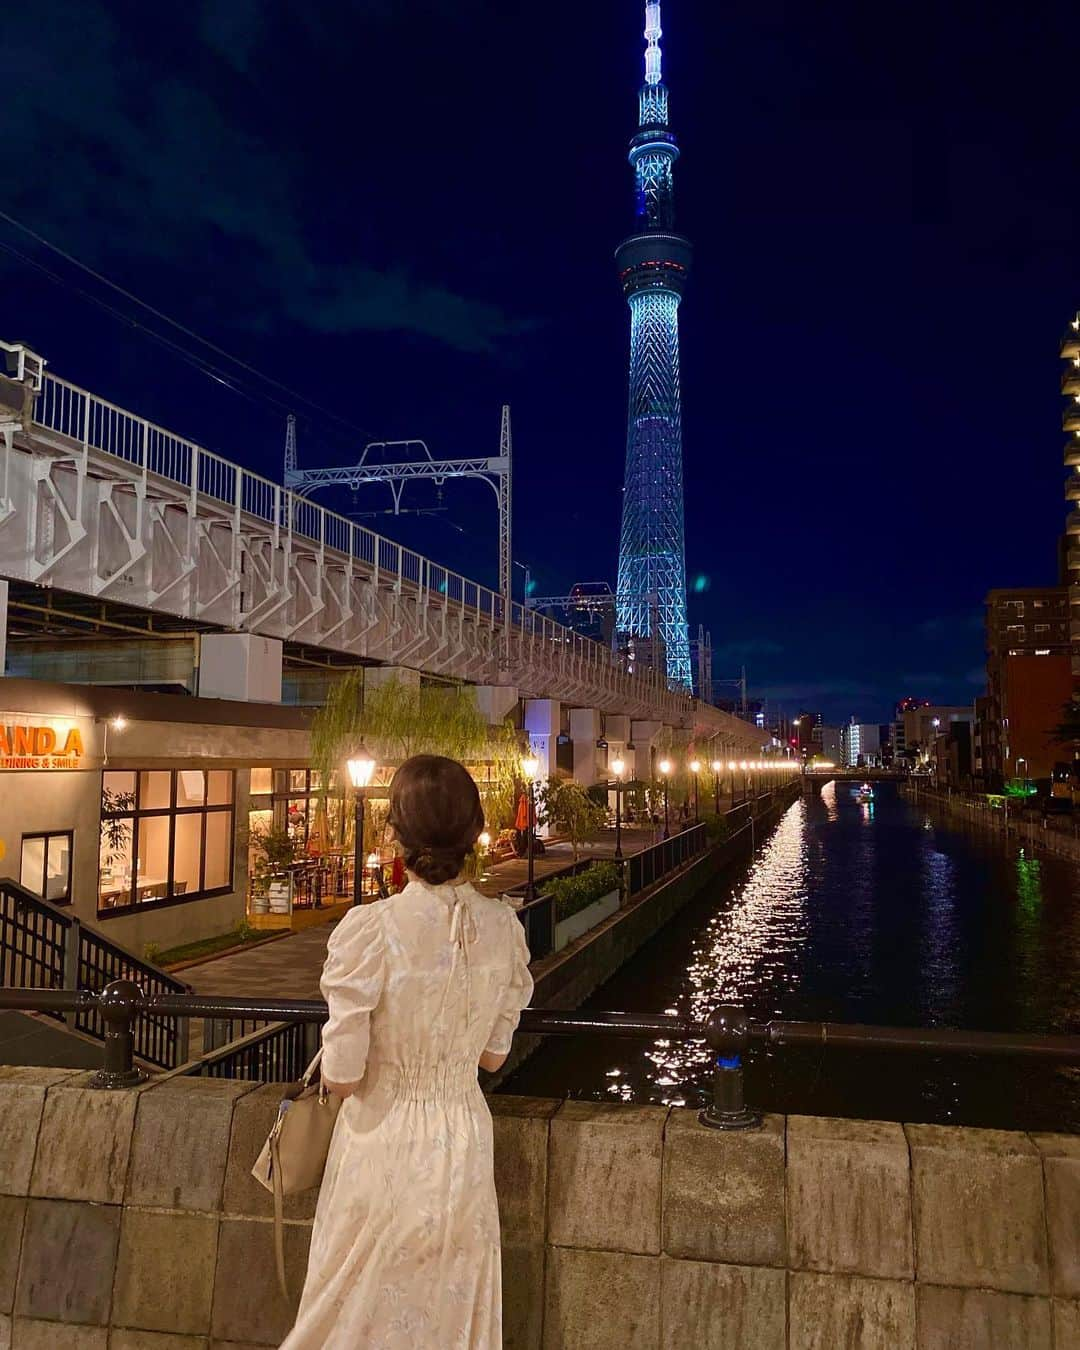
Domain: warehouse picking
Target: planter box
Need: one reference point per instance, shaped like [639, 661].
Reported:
[573, 927]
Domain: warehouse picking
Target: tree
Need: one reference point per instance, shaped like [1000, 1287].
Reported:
[567, 805]
[396, 721]
[1067, 732]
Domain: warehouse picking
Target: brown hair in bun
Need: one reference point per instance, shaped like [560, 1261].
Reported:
[436, 814]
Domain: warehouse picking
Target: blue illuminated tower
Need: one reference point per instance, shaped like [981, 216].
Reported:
[653, 265]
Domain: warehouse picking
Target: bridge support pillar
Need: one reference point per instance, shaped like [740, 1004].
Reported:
[495, 701]
[643, 734]
[240, 666]
[3, 625]
[543, 722]
[376, 676]
[589, 762]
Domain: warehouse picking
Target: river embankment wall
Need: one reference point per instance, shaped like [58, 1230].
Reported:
[1054, 834]
[129, 1221]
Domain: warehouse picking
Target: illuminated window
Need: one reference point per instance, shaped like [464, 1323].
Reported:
[45, 866]
[166, 837]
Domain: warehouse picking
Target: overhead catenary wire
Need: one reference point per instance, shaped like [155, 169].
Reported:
[199, 362]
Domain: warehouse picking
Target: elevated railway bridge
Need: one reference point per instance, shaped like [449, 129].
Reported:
[104, 512]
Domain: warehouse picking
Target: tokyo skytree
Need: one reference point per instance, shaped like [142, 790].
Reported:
[653, 265]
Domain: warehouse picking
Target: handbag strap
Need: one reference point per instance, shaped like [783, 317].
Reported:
[279, 1214]
[309, 1072]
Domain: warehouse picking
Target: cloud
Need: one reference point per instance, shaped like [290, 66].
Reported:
[115, 159]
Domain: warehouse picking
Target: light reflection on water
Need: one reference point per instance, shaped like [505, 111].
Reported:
[858, 912]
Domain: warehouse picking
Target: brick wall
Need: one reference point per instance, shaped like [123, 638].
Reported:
[128, 1221]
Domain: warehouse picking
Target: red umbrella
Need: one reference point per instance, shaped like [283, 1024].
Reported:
[522, 821]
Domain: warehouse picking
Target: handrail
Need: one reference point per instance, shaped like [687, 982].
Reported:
[728, 1031]
[42, 941]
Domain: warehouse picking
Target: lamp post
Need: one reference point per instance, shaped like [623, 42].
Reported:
[664, 769]
[361, 767]
[716, 767]
[529, 767]
[695, 769]
[618, 768]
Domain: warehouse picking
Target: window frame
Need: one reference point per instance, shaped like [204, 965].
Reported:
[138, 813]
[46, 835]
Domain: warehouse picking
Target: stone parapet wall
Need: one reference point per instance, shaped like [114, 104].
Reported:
[129, 1221]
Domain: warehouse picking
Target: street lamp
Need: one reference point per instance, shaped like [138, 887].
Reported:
[717, 767]
[530, 765]
[664, 769]
[695, 769]
[361, 767]
[618, 768]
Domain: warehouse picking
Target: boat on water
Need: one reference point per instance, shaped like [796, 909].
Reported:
[865, 793]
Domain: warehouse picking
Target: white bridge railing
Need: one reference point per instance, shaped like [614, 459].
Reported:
[209, 481]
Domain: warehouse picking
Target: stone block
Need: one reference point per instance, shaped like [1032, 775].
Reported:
[154, 1340]
[601, 1301]
[254, 1309]
[977, 1319]
[520, 1128]
[181, 1143]
[849, 1312]
[84, 1144]
[849, 1197]
[1066, 1318]
[68, 1261]
[1061, 1172]
[165, 1272]
[5, 1332]
[253, 1116]
[604, 1180]
[979, 1214]
[12, 1215]
[522, 1297]
[30, 1334]
[22, 1100]
[717, 1307]
[724, 1193]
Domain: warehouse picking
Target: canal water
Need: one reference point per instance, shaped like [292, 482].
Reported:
[852, 912]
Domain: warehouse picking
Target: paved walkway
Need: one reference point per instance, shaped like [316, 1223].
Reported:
[290, 966]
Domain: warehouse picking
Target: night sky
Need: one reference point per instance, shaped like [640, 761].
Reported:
[406, 212]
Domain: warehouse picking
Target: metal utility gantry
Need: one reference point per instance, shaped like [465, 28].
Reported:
[496, 471]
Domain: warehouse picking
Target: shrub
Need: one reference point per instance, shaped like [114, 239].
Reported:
[244, 931]
[152, 953]
[716, 829]
[574, 893]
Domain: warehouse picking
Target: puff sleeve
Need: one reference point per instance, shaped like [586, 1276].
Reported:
[516, 994]
[352, 984]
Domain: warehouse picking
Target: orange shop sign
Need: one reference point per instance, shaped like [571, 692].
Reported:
[40, 747]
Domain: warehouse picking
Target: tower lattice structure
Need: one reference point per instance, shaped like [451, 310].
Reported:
[653, 265]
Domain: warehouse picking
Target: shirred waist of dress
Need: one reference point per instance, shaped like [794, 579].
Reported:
[423, 1082]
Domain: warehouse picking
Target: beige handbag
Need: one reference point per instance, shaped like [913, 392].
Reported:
[294, 1156]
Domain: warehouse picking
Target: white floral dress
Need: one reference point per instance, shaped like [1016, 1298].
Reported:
[405, 1247]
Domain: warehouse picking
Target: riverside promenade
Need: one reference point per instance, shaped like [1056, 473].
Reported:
[289, 967]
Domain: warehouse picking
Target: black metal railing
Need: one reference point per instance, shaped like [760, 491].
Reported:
[277, 1052]
[646, 868]
[727, 1031]
[43, 947]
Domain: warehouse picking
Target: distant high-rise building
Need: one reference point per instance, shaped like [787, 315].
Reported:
[653, 265]
[1029, 681]
[1070, 387]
